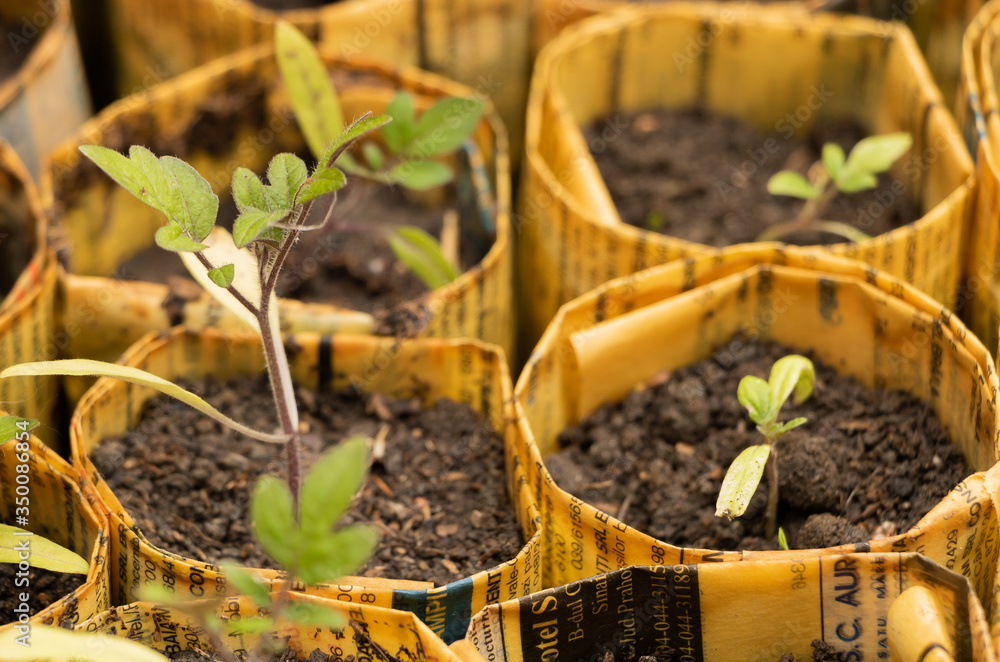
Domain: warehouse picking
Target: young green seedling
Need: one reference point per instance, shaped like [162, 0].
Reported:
[405, 156]
[763, 400]
[835, 173]
[294, 521]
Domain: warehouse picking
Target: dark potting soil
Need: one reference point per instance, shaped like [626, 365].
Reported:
[44, 587]
[349, 265]
[703, 177]
[20, 38]
[822, 652]
[437, 489]
[867, 464]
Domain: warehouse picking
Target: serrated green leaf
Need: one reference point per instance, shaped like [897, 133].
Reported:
[314, 100]
[248, 191]
[199, 205]
[373, 155]
[421, 175]
[286, 173]
[11, 426]
[755, 394]
[792, 184]
[249, 625]
[274, 525]
[54, 643]
[308, 613]
[330, 485]
[324, 560]
[172, 238]
[791, 373]
[741, 481]
[91, 368]
[876, 154]
[252, 223]
[19, 545]
[122, 170]
[245, 583]
[400, 131]
[833, 159]
[856, 181]
[158, 188]
[422, 255]
[444, 127]
[361, 126]
[321, 183]
[223, 276]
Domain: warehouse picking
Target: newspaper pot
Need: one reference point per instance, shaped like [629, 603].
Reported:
[56, 509]
[483, 44]
[826, 67]
[171, 631]
[186, 116]
[863, 606]
[864, 323]
[463, 371]
[45, 100]
[27, 290]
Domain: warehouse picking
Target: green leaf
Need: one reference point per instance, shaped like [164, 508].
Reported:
[421, 253]
[791, 183]
[223, 276]
[249, 625]
[274, 525]
[19, 545]
[308, 613]
[125, 172]
[782, 540]
[876, 154]
[848, 232]
[373, 155]
[91, 368]
[172, 238]
[158, 594]
[445, 126]
[199, 203]
[782, 428]
[321, 183]
[53, 643]
[159, 190]
[421, 175]
[246, 584]
[314, 100]
[791, 373]
[741, 481]
[11, 426]
[330, 485]
[343, 552]
[252, 223]
[286, 173]
[248, 191]
[833, 159]
[852, 182]
[755, 394]
[400, 131]
[361, 126]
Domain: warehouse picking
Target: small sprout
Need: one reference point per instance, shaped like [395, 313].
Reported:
[835, 173]
[655, 220]
[782, 540]
[407, 152]
[791, 375]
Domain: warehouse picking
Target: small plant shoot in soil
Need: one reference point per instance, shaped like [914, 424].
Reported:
[835, 173]
[793, 374]
[405, 155]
